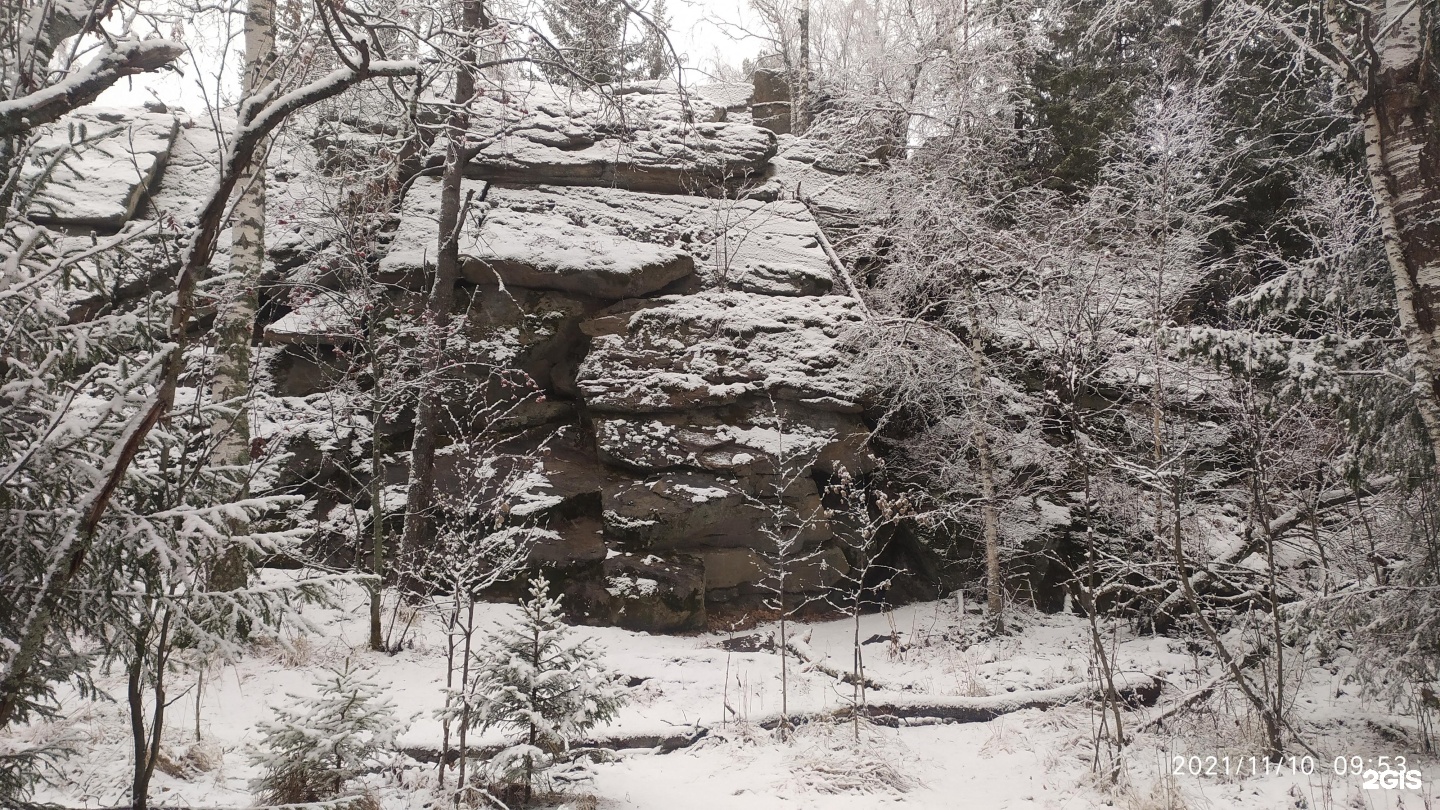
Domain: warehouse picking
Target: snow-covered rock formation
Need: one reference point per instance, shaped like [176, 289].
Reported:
[642, 270]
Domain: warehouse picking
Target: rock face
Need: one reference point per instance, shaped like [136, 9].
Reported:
[771, 105]
[530, 245]
[678, 353]
[651, 381]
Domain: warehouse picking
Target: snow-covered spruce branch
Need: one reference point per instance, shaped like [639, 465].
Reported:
[126, 58]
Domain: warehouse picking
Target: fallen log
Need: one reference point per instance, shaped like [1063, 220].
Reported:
[1279, 527]
[809, 660]
[1134, 692]
[891, 710]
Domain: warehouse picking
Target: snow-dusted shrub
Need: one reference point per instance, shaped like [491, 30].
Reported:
[22, 770]
[318, 744]
[543, 685]
[829, 758]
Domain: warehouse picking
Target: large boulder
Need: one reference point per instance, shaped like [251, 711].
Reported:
[107, 162]
[770, 105]
[644, 592]
[726, 97]
[718, 348]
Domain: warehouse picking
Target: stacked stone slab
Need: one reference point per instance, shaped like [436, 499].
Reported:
[708, 376]
[101, 163]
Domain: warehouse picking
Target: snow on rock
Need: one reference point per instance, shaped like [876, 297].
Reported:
[107, 161]
[329, 317]
[838, 190]
[717, 348]
[723, 362]
[642, 141]
[612, 243]
[770, 248]
[647, 593]
[533, 248]
[746, 245]
[191, 172]
[732, 97]
[663, 513]
[534, 331]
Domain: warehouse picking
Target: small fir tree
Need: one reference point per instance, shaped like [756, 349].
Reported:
[541, 683]
[317, 744]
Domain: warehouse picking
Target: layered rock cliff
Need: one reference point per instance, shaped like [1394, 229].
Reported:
[646, 306]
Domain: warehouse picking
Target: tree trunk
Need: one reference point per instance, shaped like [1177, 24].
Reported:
[990, 516]
[800, 98]
[235, 313]
[420, 499]
[146, 742]
[1402, 151]
[135, 697]
[377, 534]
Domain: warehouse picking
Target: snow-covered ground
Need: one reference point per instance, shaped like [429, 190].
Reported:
[1025, 759]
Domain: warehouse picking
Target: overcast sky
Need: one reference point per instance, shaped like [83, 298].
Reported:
[694, 34]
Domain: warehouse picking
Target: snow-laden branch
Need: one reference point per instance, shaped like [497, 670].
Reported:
[115, 62]
[1277, 528]
[71, 554]
[247, 138]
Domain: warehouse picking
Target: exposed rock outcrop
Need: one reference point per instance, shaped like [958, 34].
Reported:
[651, 372]
[771, 104]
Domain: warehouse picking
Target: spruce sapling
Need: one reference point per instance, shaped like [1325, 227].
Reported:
[539, 682]
[317, 744]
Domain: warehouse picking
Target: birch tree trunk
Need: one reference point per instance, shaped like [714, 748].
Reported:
[989, 514]
[420, 498]
[1402, 152]
[235, 313]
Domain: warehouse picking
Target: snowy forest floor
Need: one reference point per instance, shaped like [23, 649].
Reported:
[1026, 759]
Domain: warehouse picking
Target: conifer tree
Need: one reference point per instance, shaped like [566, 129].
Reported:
[317, 744]
[654, 49]
[536, 680]
[590, 35]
